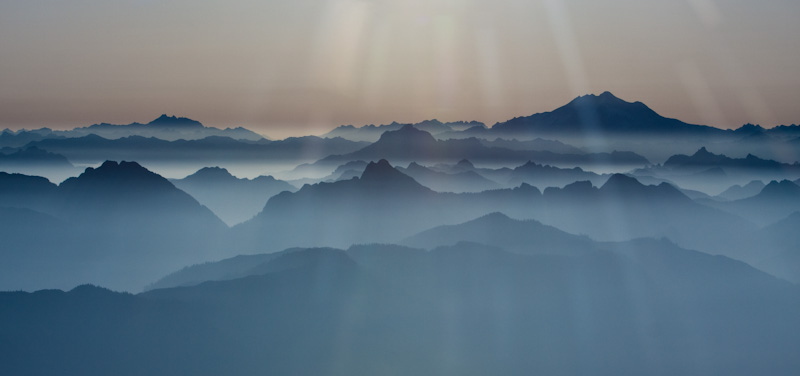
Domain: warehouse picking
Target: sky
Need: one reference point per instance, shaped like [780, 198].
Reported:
[287, 68]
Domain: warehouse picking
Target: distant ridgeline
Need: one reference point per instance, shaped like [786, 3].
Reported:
[164, 127]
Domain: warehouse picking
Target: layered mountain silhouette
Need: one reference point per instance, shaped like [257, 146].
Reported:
[372, 133]
[549, 176]
[376, 309]
[35, 161]
[381, 205]
[233, 199]
[737, 192]
[18, 190]
[598, 114]
[776, 200]
[209, 150]
[714, 173]
[384, 205]
[466, 181]
[497, 229]
[703, 159]
[33, 157]
[599, 238]
[118, 224]
[409, 144]
[164, 127]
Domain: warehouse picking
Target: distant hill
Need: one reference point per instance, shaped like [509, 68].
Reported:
[497, 229]
[24, 191]
[233, 199]
[776, 200]
[119, 224]
[32, 160]
[738, 192]
[164, 127]
[703, 159]
[467, 309]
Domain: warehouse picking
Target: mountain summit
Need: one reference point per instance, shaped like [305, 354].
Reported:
[175, 122]
[383, 176]
[604, 113]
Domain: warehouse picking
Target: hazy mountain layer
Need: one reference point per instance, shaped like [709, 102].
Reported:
[119, 225]
[468, 309]
[233, 199]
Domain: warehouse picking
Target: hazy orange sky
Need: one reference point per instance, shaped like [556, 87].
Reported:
[305, 66]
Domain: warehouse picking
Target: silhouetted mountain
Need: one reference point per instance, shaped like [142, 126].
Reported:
[20, 138]
[467, 181]
[17, 190]
[227, 269]
[126, 225]
[382, 205]
[463, 165]
[385, 206]
[784, 131]
[372, 133]
[738, 192]
[777, 200]
[640, 309]
[704, 159]
[164, 127]
[34, 157]
[598, 114]
[714, 173]
[623, 209]
[35, 161]
[233, 199]
[749, 129]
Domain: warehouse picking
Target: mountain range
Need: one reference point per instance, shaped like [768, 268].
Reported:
[164, 127]
[372, 133]
[381, 309]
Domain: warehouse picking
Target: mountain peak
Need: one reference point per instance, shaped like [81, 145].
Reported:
[605, 98]
[780, 188]
[703, 152]
[212, 173]
[493, 217]
[115, 175]
[382, 173]
[379, 170]
[621, 183]
[598, 114]
[176, 122]
[407, 134]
